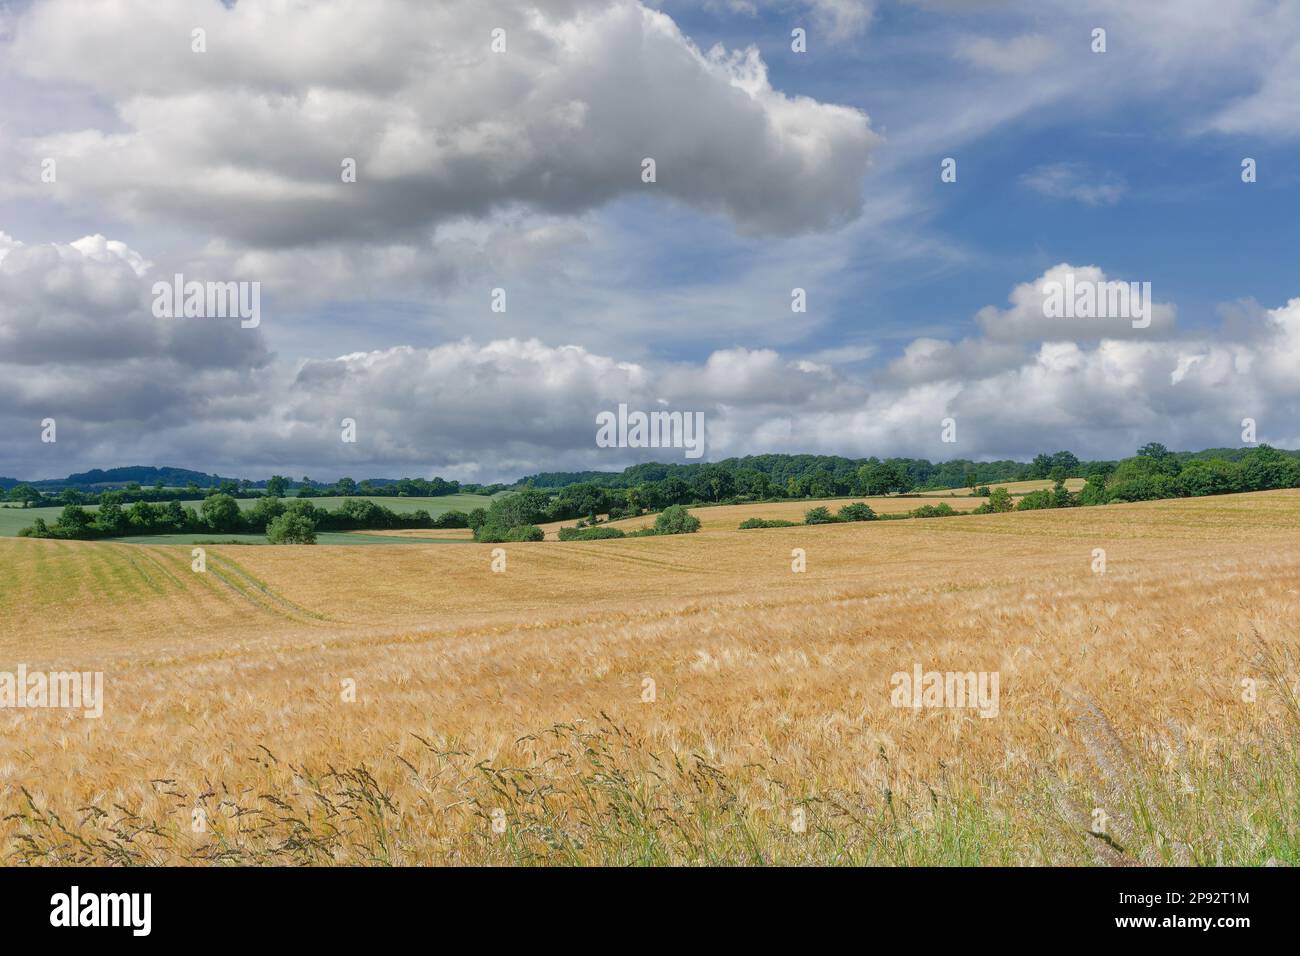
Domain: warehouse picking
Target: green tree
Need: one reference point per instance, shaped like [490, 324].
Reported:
[110, 519]
[857, 511]
[291, 529]
[266, 510]
[1036, 500]
[818, 515]
[675, 519]
[25, 493]
[1000, 499]
[221, 512]
[174, 516]
[1067, 461]
[1153, 449]
[1061, 497]
[1094, 492]
[74, 521]
[277, 486]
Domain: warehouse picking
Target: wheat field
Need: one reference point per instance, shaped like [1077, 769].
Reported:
[671, 700]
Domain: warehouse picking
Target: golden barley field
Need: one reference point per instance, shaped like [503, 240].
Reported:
[729, 517]
[672, 700]
[1015, 488]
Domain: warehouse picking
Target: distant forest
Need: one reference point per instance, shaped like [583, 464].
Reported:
[754, 477]
[1153, 473]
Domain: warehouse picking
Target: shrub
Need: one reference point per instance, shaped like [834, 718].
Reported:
[291, 529]
[818, 515]
[525, 532]
[37, 530]
[590, 534]
[1037, 501]
[1000, 500]
[1061, 497]
[766, 523]
[73, 521]
[1094, 492]
[451, 519]
[495, 534]
[857, 511]
[675, 519]
[943, 510]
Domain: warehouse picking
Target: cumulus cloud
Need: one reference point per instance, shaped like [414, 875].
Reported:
[89, 302]
[247, 139]
[79, 343]
[1028, 320]
[497, 409]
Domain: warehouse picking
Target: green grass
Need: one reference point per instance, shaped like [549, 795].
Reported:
[14, 519]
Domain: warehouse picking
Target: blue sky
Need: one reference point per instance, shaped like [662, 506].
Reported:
[518, 169]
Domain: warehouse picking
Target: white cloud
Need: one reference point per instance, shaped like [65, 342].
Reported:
[1027, 319]
[1075, 181]
[501, 408]
[246, 139]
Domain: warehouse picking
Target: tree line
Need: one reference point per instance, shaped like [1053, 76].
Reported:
[221, 514]
[1154, 472]
[277, 486]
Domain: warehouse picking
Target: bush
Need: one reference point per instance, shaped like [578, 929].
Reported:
[675, 519]
[291, 529]
[37, 530]
[1094, 492]
[766, 523]
[1000, 500]
[857, 511]
[818, 515]
[451, 519]
[933, 511]
[590, 534]
[1037, 501]
[525, 532]
[495, 534]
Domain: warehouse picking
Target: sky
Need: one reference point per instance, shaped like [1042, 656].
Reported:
[499, 145]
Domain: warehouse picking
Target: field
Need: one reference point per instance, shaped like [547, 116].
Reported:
[1016, 488]
[683, 699]
[729, 517]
